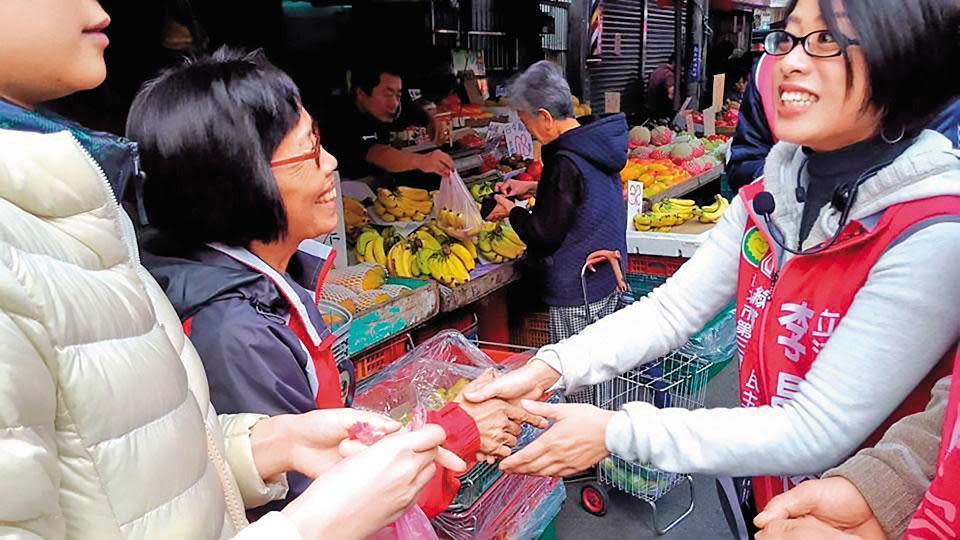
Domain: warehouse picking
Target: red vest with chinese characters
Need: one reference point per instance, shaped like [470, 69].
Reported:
[939, 512]
[785, 316]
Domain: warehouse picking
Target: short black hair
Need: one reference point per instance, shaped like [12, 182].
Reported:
[911, 49]
[207, 130]
[367, 77]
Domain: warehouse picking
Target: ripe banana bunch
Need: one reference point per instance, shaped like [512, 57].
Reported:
[401, 261]
[499, 243]
[404, 204]
[447, 267]
[354, 214]
[451, 219]
[370, 247]
[713, 213]
[665, 215]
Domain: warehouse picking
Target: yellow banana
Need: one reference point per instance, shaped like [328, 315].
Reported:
[458, 270]
[414, 193]
[428, 240]
[352, 205]
[368, 253]
[463, 254]
[386, 198]
[505, 248]
[512, 236]
[378, 255]
[418, 216]
[436, 269]
[471, 248]
[392, 258]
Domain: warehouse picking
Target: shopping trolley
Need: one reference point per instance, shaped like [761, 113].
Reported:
[676, 380]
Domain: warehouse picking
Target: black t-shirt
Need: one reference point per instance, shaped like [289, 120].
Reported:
[349, 133]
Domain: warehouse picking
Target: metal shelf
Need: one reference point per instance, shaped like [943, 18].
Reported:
[687, 186]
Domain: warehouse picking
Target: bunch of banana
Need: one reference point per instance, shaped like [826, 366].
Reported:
[404, 204]
[370, 247]
[354, 214]
[665, 215]
[401, 261]
[713, 213]
[451, 219]
[447, 267]
[499, 243]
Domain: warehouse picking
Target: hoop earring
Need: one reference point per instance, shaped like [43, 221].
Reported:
[883, 135]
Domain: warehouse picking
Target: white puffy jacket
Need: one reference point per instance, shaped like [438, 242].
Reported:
[106, 427]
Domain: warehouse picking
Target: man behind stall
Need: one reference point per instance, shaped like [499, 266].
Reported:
[359, 134]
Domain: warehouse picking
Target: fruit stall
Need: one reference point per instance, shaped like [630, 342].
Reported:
[664, 166]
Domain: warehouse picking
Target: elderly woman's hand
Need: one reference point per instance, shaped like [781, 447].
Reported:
[498, 421]
[517, 188]
[503, 208]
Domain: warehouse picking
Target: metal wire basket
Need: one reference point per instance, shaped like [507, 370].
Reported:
[676, 380]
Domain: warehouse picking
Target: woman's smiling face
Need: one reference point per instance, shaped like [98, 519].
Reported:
[815, 105]
[309, 192]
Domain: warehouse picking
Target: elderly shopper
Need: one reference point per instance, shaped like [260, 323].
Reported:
[231, 265]
[106, 427]
[579, 200]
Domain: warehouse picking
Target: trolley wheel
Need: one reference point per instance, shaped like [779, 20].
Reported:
[594, 499]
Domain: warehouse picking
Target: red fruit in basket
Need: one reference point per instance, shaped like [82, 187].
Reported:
[692, 168]
[535, 170]
[661, 135]
[659, 153]
[524, 177]
[365, 433]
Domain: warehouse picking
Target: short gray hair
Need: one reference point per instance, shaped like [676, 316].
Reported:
[542, 86]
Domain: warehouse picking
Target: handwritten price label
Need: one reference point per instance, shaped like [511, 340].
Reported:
[519, 141]
[634, 201]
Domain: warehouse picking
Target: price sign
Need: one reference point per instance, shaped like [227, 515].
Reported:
[688, 120]
[611, 102]
[634, 201]
[709, 122]
[519, 141]
[718, 82]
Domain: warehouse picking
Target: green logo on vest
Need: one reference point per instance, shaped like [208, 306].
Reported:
[755, 247]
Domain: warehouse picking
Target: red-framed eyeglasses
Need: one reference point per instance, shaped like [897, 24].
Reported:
[313, 154]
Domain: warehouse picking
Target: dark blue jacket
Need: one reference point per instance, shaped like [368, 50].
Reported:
[753, 139]
[119, 157]
[599, 151]
[237, 320]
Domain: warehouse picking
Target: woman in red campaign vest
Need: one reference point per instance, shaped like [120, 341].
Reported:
[842, 261]
[908, 486]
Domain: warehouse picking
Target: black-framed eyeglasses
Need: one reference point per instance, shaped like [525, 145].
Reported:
[819, 44]
[313, 154]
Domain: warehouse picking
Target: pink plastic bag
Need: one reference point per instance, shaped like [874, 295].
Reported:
[413, 524]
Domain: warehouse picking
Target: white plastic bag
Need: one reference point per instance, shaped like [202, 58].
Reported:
[455, 209]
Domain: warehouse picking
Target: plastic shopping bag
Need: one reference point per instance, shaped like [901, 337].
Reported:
[413, 524]
[455, 209]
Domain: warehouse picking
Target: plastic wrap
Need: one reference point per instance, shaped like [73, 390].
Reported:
[413, 524]
[430, 375]
[716, 342]
[455, 197]
[513, 507]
